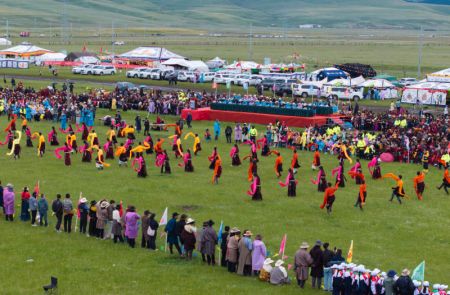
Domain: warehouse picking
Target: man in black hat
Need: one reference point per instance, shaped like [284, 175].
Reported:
[208, 243]
[172, 237]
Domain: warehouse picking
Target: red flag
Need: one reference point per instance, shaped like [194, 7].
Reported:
[36, 188]
[84, 48]
[101, 49]
[282, 246]
[120, 209]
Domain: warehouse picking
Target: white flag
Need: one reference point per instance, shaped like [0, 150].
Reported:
[163, 220]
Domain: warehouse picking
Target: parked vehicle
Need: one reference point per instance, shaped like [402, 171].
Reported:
[104, 70]
[134, 73]
[186, 76]
[268, 84]
[208, 76]
[283, 89]
[121, 86]
[87, 69]
[155, 74]
[146, 74]
[407, 81]
[306, 90]
[221, 78]
[78, 69]
[345, 93]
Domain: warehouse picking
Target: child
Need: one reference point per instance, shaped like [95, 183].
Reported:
[207, 135]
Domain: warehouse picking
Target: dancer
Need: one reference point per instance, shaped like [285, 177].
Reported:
[164, 163]
[158, 146]
[176, 146]
[109, 148]
[121, 152]
[329, 197]
[187, 161]
[212, 158]
[362, 195]
[100, 161]
[15, 149]
[111, 134]
[41, 145]
[278, 164]
[397, 191]
[265, 146]
[255, 188]
[67, 150]
[316, 160]
[356, 172]
[86, 154]
[375, 162]
[217, 170]
[294, 162]
[197, 144]
[148, 141]
[8, 140]
[29, 137]
[140, 149]
[53, 137]
[71, 140]
[321, 180]
[139, 166]
[234, 154]
[93, 138]
[340, 177]
[445, 181]
[419, 184]
[291, 183]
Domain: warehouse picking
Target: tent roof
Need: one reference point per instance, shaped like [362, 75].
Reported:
[155, 53]
[4, 41]
[176, 62]
[246, 65]
[430, 85]
[347, 82]
[377, 83]
[193, 65]
[385, 77]
[24, 50]
[52, 56]
[217, 59]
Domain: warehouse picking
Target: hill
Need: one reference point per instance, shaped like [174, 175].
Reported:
[226, 14]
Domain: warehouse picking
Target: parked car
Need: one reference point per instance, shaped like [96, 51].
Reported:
[78, 69]
[166, 73]
[186, 76]
[305, 90]
[407, 81]
[283, 89]
[145, 74]
[208, 76]
[268, 84]
[104, 70]
[121, 86]
[87, 70]
[345, 93]
[220, 78]
[155, 74]
[134, 73]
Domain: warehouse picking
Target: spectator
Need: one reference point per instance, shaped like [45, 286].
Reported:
[43, 209]
[58, 210]
[404, 285]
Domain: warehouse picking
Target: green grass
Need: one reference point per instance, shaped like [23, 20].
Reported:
[386, 235]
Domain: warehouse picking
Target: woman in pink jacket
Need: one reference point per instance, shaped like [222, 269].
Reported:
[8, 201]
[131, 226]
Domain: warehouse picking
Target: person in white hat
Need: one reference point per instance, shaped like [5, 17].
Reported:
[302, 262]
[279, 275]
[232, 249]
[404, 285]
[264, 274]
[375, 285]
[426, 288]
[417, 284]
[338, 279]
[188, 237]
[245, 246]
[83, 208]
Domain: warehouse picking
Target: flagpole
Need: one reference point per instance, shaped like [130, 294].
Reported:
[285, 240]
[76, 220]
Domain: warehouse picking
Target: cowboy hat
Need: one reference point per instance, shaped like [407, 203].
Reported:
[190, 221]
[304, 245]
[268, 261]
[391, 273]
[234, 230]
[104, 205]
[405, 272]
[9, 185]
[83, 200]
[247, 233]
[318, 243]
[279, 263]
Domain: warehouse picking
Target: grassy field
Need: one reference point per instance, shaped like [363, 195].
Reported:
[386, 235]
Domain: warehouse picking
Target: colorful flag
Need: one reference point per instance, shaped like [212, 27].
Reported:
[419, 272]
[245, 85]
[101, 50]
[84, 48]
[214, 85]
[36, 188]
[273, 87]
[228, 84]
[350, 253]
[78, 205]
[219, 235]
[163, 220]
[282, 246]
[120, 209]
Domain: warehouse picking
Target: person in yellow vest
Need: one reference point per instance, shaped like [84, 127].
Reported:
[425, 160]
[361, 145]
[253, 133]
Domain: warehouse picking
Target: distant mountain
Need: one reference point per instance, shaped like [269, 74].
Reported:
[225, 14]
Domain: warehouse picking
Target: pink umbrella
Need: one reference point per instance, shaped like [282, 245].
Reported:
[387, 157]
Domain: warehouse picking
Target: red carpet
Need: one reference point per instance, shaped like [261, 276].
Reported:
[206, 114]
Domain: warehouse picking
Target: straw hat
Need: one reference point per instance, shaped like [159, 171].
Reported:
[9, 185]
[247, 234]
[83, 200]
[268, 261]
[405, 272]
[104, 205]
[304, 245]
[190, 221]
[279, 263]
[234, 230]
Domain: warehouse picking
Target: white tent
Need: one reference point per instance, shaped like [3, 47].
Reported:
[244, 65]
[88, 60]
[216, 62]
[24, 51]
[51, 56]
[427, 93]
[377, 83]
[190, 65]
[347, 82]
[440, 76]
[150, 53]
[5, 42]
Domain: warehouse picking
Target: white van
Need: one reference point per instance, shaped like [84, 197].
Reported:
[306, 90]
[134, 73]
[223, 78]
[349, 93]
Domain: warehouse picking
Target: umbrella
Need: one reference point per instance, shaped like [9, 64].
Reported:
[387, 157]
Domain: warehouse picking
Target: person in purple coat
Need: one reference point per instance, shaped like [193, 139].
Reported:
[8, 202]
[131, 226]
[258, 254]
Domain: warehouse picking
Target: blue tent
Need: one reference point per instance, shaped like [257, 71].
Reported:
[331, 75]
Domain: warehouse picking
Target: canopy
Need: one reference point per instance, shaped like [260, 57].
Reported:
[216, 62]
[386, 77]
[150, 53]
[377, 83]
[4, 42]
[88, 60]
[441, 76]
[329, 73]
[24, 51]
[427, 93]
[191, 65]
[51, 56]
[347, 82]
[244, 65]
